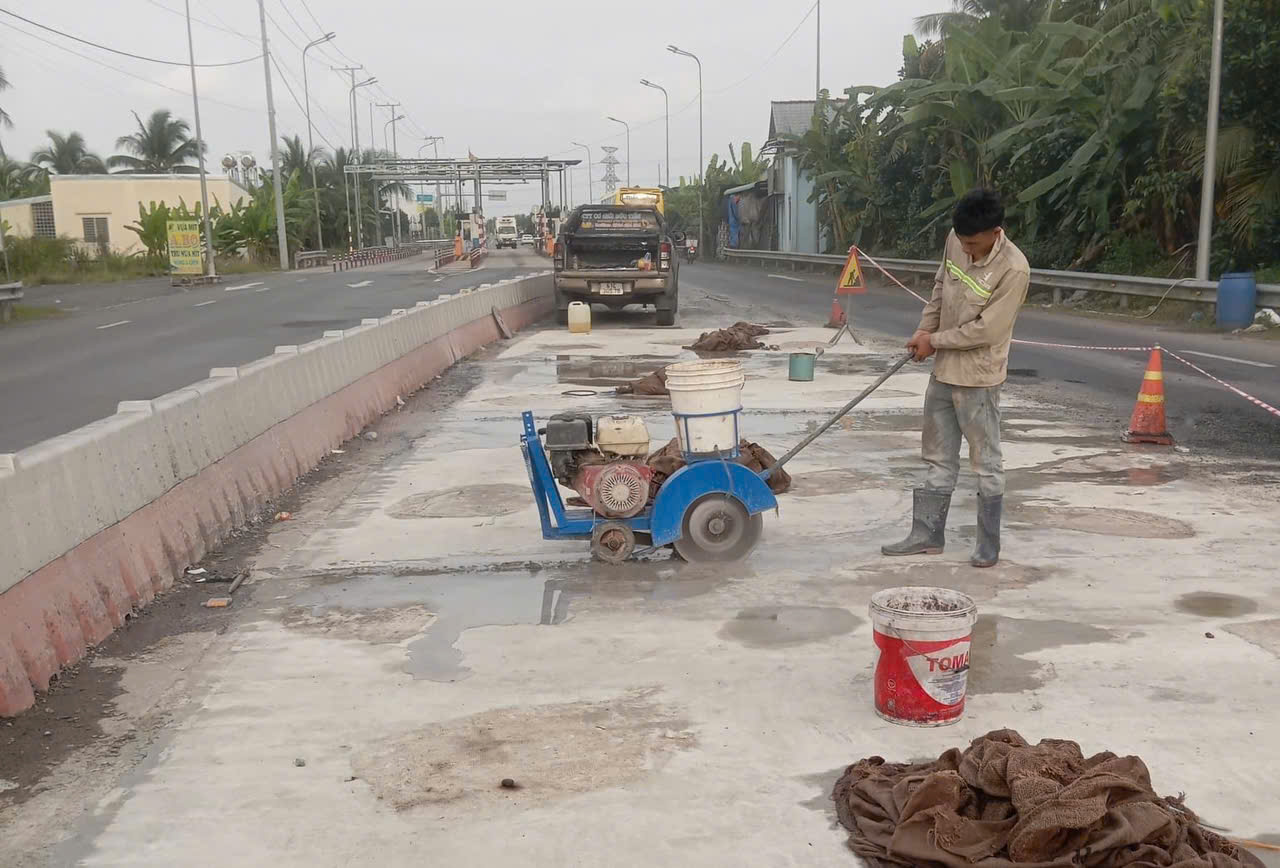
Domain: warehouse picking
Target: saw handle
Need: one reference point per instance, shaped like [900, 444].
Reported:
[795, 450]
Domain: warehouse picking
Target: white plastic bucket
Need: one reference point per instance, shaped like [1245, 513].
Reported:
[579, 317]
[705, 399]
[922, 643]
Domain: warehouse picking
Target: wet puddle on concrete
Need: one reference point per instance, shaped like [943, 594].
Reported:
[606, 371]
[780, 626]
[981, 585]
[1104, 521]
[1210, 604]
[470, 501]
[438, 609]
[998, 643]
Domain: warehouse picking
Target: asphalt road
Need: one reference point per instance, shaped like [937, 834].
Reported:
[139, 340]
[1201, 413]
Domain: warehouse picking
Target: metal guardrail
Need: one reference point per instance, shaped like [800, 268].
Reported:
[374, 256]
[10, 294]
[1202, 291]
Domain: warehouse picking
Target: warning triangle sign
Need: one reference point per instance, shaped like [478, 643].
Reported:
[851, 282]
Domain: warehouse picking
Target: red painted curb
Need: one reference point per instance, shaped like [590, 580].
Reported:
[50, 618]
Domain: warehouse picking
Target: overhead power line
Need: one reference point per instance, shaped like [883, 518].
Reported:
[203, 23]
[102, 47]
[288, 87]
[125, 72]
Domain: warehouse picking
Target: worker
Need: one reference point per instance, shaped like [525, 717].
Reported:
[977, 292]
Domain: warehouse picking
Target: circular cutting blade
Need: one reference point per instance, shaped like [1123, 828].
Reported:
[718, 528]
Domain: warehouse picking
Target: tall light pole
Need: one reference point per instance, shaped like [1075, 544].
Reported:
[1210, 148]
[210, 268]
[281, 235]
[701, 165]
[628, 126]
[351, 119]
[666, 112]
[591, 193]
[434, 141]
[395, 214]
[306, 96]
[355, 138]
[817, 61]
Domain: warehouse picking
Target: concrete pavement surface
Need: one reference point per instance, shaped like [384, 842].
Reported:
[408, 640]
[137, 341]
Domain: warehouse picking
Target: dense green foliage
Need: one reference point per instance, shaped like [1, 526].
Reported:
[1088, 116]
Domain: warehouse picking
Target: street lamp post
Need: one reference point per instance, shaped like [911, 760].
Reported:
[701, 166]
[210, 268]
[355, 133]
[628, 126]
[306, 96]
[666, 112]
[1210, 149]
[434, 142]
[395, 222]
[591, 194]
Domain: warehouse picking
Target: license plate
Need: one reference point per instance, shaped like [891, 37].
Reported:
[612, 288]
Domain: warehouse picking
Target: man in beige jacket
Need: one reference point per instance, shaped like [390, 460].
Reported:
[977, 293]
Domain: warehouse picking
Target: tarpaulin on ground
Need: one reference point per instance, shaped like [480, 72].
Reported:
[1002, 803]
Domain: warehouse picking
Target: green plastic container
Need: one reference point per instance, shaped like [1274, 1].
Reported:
[801, 367]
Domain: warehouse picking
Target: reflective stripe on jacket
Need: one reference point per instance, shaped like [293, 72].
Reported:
[971, 315]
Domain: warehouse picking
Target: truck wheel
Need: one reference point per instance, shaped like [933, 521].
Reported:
[562, 309]
[668, 317]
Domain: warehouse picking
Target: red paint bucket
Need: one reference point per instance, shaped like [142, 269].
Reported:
[922, 643]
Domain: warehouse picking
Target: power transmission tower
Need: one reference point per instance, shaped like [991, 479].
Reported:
[609, 162]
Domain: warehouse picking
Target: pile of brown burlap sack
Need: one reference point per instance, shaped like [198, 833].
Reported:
[1003, 803]
[739, 336]
[753, 456]
[649, 384]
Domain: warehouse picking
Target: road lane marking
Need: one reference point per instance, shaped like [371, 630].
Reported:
[203, 303]
[1228, 359]
[302, 280]
[112, 325]
[437, 280]
[244, 286]
[788, 277]
[360, 284]
[263, 289]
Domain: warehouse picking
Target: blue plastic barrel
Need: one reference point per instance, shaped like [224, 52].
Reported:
[1237, 300]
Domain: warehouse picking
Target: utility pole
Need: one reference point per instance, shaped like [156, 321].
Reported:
[666, 113]
[701, 165]
[817, 63]
[628, 126]
[281, 234]
[355, 137]
[210, 268]
[311, 145]
[1205, 234]
[591, 193]
[351, 70]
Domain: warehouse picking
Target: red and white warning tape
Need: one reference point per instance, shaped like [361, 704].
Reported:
[1243, 394]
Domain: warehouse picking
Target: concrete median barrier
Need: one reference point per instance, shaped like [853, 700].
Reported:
[96, 522]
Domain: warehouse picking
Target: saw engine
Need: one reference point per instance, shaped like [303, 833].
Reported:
[602, 460]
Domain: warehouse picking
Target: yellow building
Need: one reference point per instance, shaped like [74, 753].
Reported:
[95, 209]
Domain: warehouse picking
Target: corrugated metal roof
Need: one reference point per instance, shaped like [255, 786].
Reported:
[792, 117]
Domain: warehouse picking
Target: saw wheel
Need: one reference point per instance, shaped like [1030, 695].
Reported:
[718, 528]
[612, 542]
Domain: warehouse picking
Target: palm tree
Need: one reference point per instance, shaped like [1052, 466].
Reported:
[66, 155]
[5, 120]
[1015, 15]
[294, 156]
[163, 144]
[15, 180]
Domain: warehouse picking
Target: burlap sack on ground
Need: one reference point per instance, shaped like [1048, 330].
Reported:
[739, 336]
[1003, 803]
[755, 457]
[650, 384]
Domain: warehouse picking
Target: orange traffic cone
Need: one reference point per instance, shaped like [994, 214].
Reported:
[837, 315]
[1147, 424]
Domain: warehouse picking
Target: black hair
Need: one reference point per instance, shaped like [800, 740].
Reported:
[977, 211]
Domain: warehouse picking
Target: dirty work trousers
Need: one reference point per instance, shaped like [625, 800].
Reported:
[953, 412]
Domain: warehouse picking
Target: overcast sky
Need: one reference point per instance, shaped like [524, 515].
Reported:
[500, 78]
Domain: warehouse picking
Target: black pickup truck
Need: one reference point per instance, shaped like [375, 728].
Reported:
[617, 255]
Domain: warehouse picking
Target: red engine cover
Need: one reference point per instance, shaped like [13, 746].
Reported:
[617, 490]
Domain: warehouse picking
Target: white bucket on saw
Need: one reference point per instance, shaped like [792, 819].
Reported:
[705, 399]
[922, 638]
